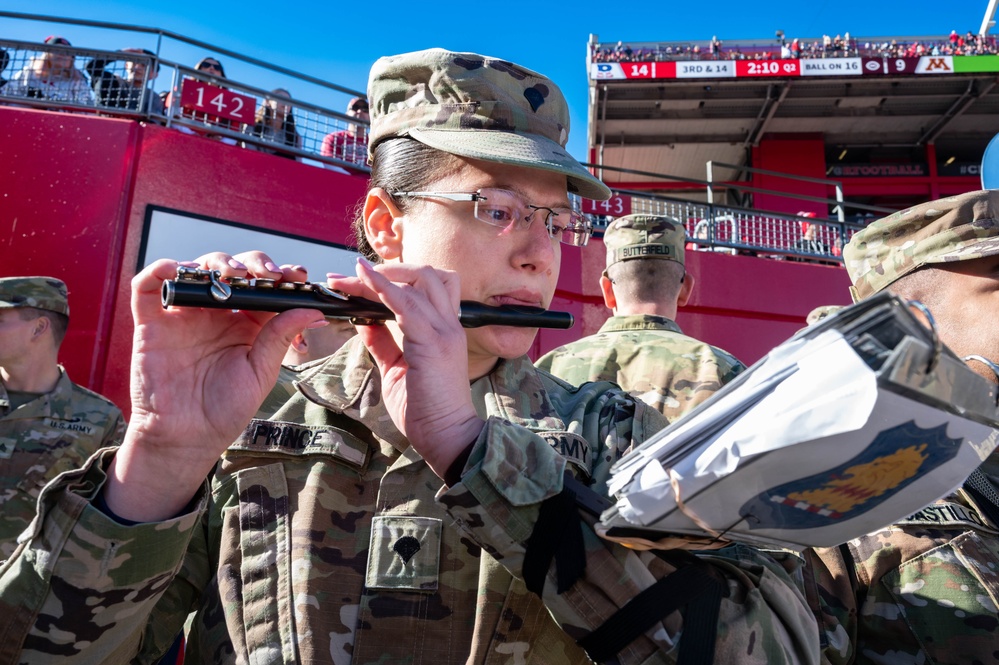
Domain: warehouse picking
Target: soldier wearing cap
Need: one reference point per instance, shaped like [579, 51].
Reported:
[641, 348]
[48, 424]
[308, 346]
[409, 504]
[925, 590]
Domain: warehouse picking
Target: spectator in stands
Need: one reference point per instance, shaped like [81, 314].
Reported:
[351, 144]
[809, 241]
[51, 75]
[213, 70]
[131, 91]
[4, 61]
[275, 123]
[48, 424]
[641, 348]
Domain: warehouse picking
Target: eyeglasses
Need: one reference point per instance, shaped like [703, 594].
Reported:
[210, 65]
[503, 208]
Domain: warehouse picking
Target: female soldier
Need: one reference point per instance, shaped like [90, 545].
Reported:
[407, 505]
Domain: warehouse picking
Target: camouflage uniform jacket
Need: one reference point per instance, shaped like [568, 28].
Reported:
[39, 440]
[925, 590]
[327, 539]
[649, 357]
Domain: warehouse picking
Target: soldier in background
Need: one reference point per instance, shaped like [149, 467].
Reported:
[925, 590]
[48, 424]
[822, 312]
[308, 346]
[641, 348]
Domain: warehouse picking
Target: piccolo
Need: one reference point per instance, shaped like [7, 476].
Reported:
[195, 287]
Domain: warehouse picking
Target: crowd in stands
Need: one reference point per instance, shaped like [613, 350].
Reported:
[783, 48]
[123, 83]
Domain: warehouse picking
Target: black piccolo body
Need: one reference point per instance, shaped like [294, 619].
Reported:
[205, 288]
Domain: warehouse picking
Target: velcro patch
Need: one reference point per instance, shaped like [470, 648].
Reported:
[946, 513]
[405, 553]
[574, 448]
[274, 436]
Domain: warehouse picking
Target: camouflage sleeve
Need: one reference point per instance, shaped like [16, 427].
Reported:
[81, 588]
[116, 432]
[511, 471]
[729, 366]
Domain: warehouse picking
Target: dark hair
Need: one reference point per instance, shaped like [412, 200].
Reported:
[401, 165]
[154, 61]
[216, 60]
[267, 113]
[58, 322]
[4, 60]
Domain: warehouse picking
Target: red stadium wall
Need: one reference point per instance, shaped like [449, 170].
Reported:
[75, 191]
[800, 154]
[75, 194]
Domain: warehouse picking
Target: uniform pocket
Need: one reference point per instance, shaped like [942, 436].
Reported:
[948, 598]
[265, 566]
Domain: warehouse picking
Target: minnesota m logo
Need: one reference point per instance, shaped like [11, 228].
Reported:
[935, 65]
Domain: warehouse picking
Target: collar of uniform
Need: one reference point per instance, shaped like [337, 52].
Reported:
[348, 382]
[57, 403]
[513, 391]
[639, 322]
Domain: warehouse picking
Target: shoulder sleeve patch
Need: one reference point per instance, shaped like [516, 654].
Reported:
[574, 448]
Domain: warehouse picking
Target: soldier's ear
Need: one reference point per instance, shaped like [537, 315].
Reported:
[383, 224]
[607, 288]
[41, 325]
[300, 344]
[686, 288]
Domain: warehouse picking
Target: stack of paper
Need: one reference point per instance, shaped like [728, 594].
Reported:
[853, 424]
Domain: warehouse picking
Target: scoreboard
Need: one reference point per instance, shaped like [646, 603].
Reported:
[795, 68]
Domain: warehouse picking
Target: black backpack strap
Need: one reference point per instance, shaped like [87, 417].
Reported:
[694, 587]
[558, 536]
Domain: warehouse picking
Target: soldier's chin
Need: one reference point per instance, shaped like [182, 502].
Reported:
[507, 341]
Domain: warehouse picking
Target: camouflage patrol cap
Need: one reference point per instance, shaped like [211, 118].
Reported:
[478, 107]
[40, 292]
[957, 228]
[644, 237]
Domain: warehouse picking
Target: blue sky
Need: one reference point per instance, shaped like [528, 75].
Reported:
[338, 41]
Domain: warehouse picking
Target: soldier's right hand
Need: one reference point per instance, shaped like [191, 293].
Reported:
[197, 378]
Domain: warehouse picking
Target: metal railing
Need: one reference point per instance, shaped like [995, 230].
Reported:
[747, 231]
[93, 80]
